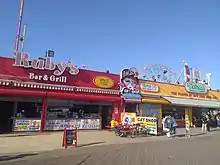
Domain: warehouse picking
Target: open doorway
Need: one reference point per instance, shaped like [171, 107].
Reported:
[6, 122]
[106, 115]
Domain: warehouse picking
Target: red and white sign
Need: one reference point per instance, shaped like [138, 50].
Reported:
[22, 60]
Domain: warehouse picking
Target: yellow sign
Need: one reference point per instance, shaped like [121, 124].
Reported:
[175, 90]
[103, 82]
[150, 123]
[149, 87]
[128, 118]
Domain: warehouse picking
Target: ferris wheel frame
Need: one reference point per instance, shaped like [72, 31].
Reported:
[161, 67]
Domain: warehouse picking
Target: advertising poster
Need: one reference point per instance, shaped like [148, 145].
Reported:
[150, 123]
[128, 118]
[25, 125]
[129, 84]
[54, 125]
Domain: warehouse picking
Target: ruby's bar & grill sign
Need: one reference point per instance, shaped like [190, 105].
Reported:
[22, 60]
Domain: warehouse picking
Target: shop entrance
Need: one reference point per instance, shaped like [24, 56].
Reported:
[106, 116]
[177, 112]
[6, 121]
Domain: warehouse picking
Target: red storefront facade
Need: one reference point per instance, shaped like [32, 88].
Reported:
[60, 95]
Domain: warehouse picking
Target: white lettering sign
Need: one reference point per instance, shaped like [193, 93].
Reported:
[52, 78]
[22, 60]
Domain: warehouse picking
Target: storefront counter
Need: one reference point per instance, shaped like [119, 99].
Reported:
[82, 124]
[26, 125]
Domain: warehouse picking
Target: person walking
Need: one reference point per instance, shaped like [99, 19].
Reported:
[167, 125]
[174, 125]
[204, 123]
[218, 119]
[194, 121]
[209, 122]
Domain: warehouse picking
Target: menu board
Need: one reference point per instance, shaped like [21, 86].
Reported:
[70, 137]
[26, 125]
[75, 123]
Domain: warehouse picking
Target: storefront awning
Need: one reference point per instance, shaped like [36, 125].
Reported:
[155, 100]
[131, 97]
[193, 102]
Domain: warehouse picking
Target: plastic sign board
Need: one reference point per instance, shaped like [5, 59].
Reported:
[149, 87]
[45, 64]
[196, 88]
[103, 82]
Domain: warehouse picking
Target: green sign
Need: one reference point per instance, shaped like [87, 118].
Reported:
[149, 87]
[196, 88]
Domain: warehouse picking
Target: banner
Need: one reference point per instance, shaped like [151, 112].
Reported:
[25, 125]
[53, 125]
[150, 123]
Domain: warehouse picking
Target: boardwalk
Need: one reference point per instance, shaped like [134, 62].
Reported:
[198, 150]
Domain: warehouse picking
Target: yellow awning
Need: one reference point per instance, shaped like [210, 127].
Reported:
[155, 100]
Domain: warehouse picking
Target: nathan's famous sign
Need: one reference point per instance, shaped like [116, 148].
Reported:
[22, 60]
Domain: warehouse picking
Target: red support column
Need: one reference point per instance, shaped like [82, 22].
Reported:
[43, 115]
[115, 112]
[122, 105]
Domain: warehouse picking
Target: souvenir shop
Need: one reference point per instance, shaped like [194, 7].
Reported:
[39, 95]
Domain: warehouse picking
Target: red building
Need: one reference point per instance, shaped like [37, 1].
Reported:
[38, 95]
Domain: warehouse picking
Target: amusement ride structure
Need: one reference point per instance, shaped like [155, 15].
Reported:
[161, 73]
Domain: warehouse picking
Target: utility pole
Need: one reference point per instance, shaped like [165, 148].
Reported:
[17, 40]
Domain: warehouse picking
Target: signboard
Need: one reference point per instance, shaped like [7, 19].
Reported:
[195, 88]
[129, 81]
[25, 125]
[149, 87]
[128, 118]
[196, 75]
[150, 123]
[22, 60]
[69, 137]
[54, 125]
[181, 92]
[103, 82]
[129, 84]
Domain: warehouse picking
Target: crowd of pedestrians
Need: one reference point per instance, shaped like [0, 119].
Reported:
[207, 120]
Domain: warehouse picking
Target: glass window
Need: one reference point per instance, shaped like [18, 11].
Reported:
[176, 112]
[151, 110]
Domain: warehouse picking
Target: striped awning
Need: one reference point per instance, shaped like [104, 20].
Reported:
[193, 102]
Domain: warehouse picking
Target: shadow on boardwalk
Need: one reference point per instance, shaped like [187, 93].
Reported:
[14, 157]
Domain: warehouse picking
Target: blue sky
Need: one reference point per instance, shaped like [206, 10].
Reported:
[112, 34]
